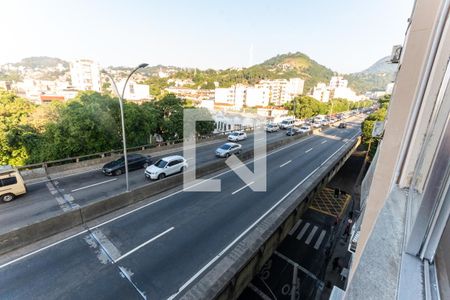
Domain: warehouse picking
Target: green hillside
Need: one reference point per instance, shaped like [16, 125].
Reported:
[374, 78]
[281, 66]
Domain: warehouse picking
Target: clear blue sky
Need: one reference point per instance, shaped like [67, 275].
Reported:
[346, 36]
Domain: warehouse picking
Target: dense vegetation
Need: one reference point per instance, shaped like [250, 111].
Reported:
[90, 123]
[307, 107]
[279, 67]
[367, 125]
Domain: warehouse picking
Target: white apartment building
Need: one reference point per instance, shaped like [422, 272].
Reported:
[321, 92]
[233, 97]
[282, 90]
[345, 93]
[257, 97]
[338, 82]
[134, 91]
[85, 75]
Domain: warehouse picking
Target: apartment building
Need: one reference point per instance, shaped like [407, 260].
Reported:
[321, 92]
[233, 97]
[282, 90]
[337, 88]
[402, 238]
[85, 75]
[338, 82]
[257, 97]
[134, 91]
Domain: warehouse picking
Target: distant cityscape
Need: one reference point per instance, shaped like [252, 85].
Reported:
[85, 75]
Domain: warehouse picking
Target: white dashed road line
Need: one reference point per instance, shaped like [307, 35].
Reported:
[142, 245]
[288, 162]
[238, 190]
[308, 150]
[92, 185]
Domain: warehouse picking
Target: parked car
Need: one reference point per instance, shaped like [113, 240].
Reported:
[135, 161]
[304, 129]
[272, 128]
[166, 166]
[237, 136]
[317, 125]
[11, 184]
[228, 149]
[342, 125]
[292, 131]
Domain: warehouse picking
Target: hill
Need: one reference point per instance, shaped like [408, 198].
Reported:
[281, 66]
[297, 65]
[374, 78]
[41, 62]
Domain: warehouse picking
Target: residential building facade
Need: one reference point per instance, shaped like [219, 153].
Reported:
[85, 75]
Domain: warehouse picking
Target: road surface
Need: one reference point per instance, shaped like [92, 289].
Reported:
[160, 249]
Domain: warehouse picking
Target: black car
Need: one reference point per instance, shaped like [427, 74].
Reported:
[342, 125]
[135, 161]
[292, 131]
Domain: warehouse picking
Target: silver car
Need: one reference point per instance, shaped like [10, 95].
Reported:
[228, 149]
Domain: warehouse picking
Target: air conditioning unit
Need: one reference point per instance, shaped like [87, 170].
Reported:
[396, 53]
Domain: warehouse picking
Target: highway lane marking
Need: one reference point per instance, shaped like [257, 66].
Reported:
[144, 244]
[182, 190]
[177, 192]
[308, 150]
[311, 235]
[319, 240]
[238, 190]
[221, 253]
[323, 142]
[288, 162]
[92, 185]
[42, 249]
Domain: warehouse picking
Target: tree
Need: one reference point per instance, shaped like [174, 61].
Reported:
[17, 137]
[367, 128]
[88, 124]
[306, 107]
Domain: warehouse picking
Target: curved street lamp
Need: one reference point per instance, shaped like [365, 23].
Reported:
[121, 97]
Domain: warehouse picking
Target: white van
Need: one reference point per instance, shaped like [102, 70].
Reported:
[11, 183]
[288, 123]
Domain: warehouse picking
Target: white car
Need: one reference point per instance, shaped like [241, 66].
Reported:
[272, 128]
[227, 149]
[317, 125]
[166, 166]
[237, 136]
[304, 129]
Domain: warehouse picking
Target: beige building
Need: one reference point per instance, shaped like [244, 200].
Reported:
[403, 237]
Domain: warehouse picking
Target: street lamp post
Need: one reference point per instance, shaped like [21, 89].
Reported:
[122, 119]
